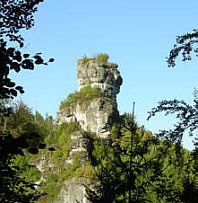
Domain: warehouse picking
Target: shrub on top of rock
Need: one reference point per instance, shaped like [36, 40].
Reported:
[102, 57]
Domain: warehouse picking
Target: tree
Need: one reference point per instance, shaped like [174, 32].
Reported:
[185, 44]
[123, 167]
[13, 188]
[14, 16]
[188, 120]
[136, 167]
[186, 114]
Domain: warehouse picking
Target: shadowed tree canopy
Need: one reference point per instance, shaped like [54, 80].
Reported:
[14, 16]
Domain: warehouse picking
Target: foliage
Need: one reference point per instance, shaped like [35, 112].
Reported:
[61, 141]
[61, 170]
[13, 188]
[13, 59]
[102, 58]
[22, 122]
[117, 165]
[86, 93]
[53, 188]
[186, 114]
[26, 171]
[184, 45]
[14, 16]
[20, 134]
[85, 60]
[137, 167]
[187, 120]
[178, 175]
[133, 166]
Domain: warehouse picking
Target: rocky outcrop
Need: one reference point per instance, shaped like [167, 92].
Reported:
[98, 114]
[81, 145]
[102, 75]
[74, 191]
[94, 115]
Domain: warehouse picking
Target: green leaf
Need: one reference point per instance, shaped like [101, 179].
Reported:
[13, 92]
[39, 61]
[27, 64]
[26, 55]
[51, 60]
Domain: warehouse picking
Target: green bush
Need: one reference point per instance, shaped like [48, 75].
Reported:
[30, 173]
[85, 60]
[102, 57]
[53, 187]
[87, 93]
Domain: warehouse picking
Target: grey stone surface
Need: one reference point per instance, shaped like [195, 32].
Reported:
[95, 116]
[74, 191]
[98, 114]
[102, 75]
[80, 146]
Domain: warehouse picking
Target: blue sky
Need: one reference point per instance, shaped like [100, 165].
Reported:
[137, 35]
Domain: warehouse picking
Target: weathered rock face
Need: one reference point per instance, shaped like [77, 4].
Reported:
[80, 146]
[74, 191]
[93, 115]
[102, 75]
[98, 114]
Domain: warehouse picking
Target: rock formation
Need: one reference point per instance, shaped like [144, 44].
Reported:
[102, 75]
[98, 114]
[95, 113]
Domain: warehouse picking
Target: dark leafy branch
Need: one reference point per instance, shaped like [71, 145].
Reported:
[186, 45]
[13, 60]
[16, 15]
[186, 114]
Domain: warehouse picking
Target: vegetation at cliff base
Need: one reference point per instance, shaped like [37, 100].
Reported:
[22, 136]
[137, 167]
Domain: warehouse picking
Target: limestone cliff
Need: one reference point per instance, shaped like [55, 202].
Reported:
[102, 75]
[97, 114]
[90, 110]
